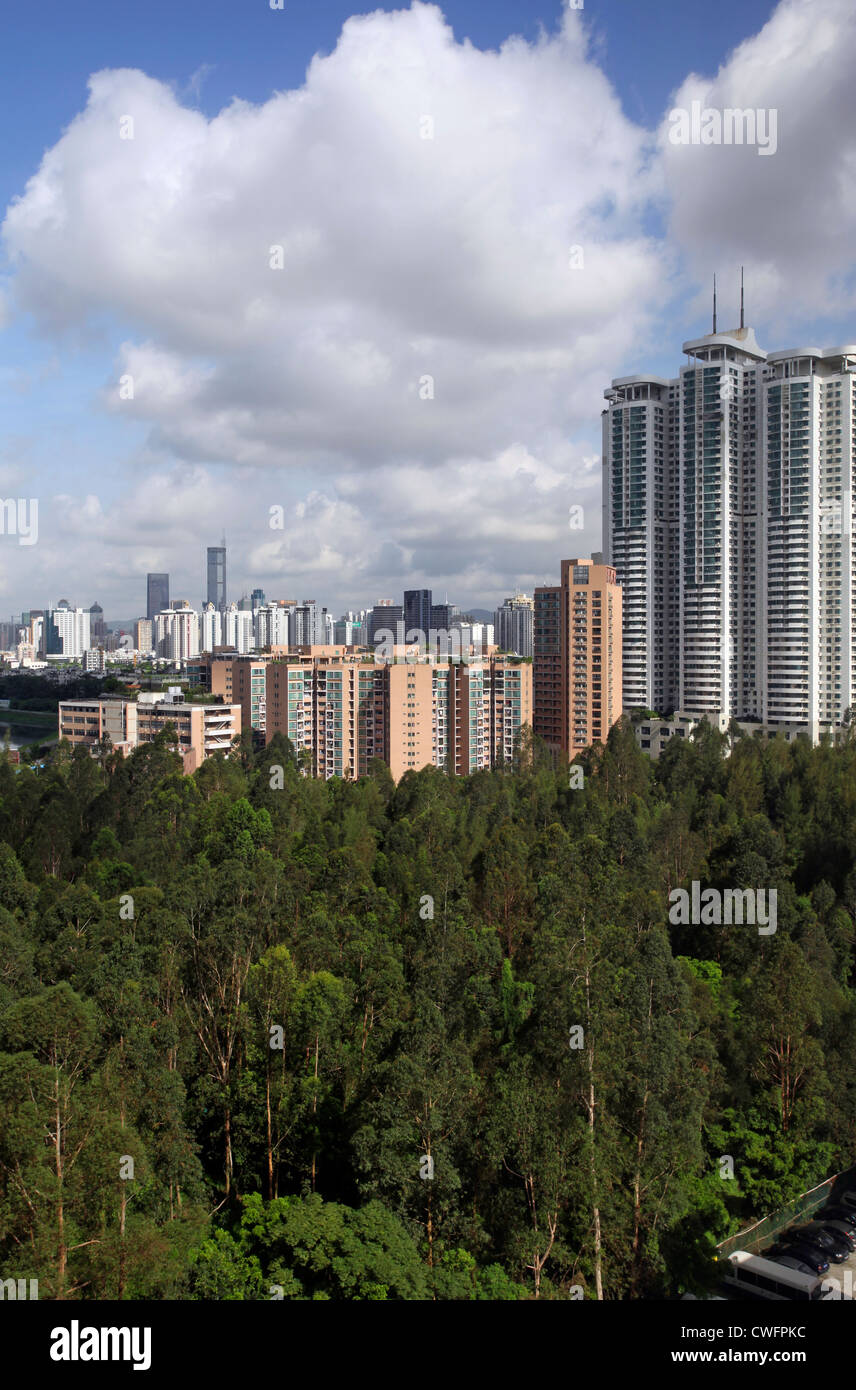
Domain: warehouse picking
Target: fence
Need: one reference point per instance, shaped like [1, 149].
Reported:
[757, 1237]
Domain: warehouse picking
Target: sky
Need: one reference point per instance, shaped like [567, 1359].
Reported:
[368, 273]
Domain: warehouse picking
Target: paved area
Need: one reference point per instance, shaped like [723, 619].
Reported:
[846, 1276]
[845, 1273]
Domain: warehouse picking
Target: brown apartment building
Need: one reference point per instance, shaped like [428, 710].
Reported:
[576, 672]
[341, 707]
[413, 713]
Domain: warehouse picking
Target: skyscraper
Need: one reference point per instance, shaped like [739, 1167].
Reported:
[217, 576]
[728, 513]
[417, 611]
[66, 630]
[211, 628]
[308, 626]
[386, 616]
[97, 626]
[512, 625]
[157, 594]
[443, 615]
[176, 634]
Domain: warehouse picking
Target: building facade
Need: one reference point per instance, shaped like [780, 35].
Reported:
[144, 635]
[513, 625]
[176, 634]
[157, 594]
[576, 664]
[200, 730]
[418, 604]
[345, 710]
[66, 631]
[728, 515]
[216, 576]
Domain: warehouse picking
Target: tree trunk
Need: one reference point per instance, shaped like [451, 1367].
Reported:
[269, 1129]
[62, 1253]
[598, 1273]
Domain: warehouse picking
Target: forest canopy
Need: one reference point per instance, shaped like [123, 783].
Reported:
[263, 1035]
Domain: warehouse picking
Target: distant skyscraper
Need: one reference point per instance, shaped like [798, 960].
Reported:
[66, 630]
[271, 624]
[157, 594]
[386, 616]
[238, 628]
[176, 634]
[417, 610]
[144, 635]
[308, 626]
[217, 576]
[513, 625]
[212, 628]
[257, 598]
[443, 615]
[97, 626]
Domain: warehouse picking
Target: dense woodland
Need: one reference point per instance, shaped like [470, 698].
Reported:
[289, 1002]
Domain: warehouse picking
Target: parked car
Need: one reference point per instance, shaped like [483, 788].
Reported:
[806, 1254]
[834, 1248]
[838, 1213]
[842, 1229]
[791, 1262]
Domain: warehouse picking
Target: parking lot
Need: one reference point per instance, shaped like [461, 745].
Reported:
[844, 1274]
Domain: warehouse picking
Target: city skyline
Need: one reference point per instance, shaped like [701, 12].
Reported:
[356, 431]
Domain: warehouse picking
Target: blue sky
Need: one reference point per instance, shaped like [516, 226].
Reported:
[49, 50]
[60, 439]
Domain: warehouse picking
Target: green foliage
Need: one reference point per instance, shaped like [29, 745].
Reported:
[428, 1041]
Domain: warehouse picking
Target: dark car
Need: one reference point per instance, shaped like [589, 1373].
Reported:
[791, 1262]
[841, 1230]
[836, 1213]
[833, 1247]
[806, 1254]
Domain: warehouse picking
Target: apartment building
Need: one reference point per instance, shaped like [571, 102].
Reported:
[640, 532]
[728, 515]
[346, 709]
[577, 665]
[239, 680]
[512, 624]
[176, 634]
[144, 635]
[66, 631]
[200, 729]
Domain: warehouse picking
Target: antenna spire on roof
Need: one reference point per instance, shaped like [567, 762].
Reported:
[741, 296]
[714, 302]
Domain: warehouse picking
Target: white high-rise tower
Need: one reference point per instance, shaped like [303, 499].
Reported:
[728, 508]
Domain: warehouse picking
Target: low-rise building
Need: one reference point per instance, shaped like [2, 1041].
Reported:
[200, 730]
